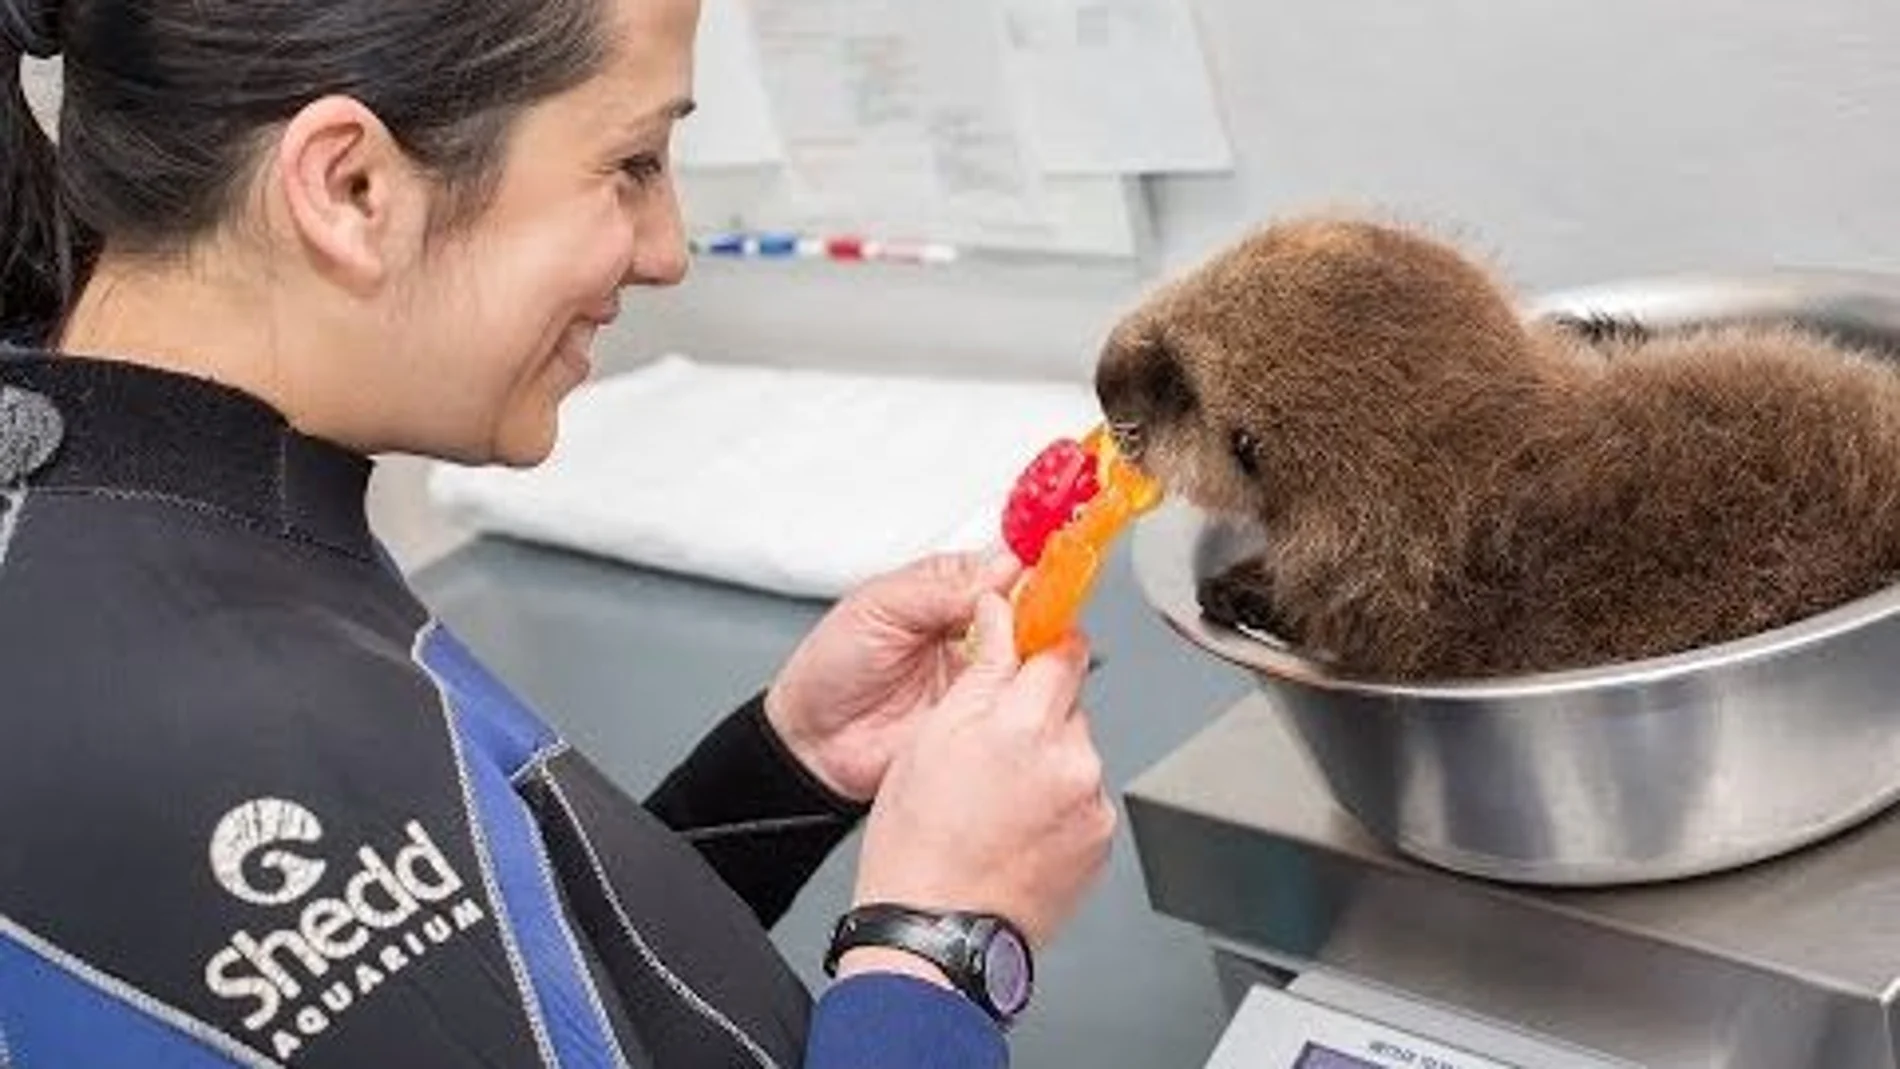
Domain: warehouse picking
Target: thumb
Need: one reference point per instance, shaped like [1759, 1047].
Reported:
[936, 595]
[992, 647]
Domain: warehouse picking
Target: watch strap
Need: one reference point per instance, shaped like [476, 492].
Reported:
[941, 938]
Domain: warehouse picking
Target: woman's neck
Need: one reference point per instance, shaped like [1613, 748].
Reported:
[208, 322]
[169, 316]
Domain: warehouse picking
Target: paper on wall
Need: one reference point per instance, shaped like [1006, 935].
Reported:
[898, 119]
[1114, 86]
[733, 126]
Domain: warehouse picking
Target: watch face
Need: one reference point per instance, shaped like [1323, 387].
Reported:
[1006, 972]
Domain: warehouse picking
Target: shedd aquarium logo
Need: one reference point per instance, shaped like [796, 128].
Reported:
[394, 907]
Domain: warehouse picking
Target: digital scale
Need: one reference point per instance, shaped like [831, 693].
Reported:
[1335, 952]
[1304, 1026]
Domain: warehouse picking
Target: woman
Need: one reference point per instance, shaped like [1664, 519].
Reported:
[256, 808]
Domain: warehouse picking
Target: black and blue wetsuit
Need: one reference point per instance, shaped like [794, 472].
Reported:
[258, 809]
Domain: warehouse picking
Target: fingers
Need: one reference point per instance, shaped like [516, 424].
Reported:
[935, 595]
[1103, 815]
[992, 645]
[1050, 683]
[995, 568]
[1081, 760]
[1087, 780]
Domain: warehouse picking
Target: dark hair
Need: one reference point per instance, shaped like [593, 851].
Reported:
[165, 101]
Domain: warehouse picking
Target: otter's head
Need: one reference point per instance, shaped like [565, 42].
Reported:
[1311, 356]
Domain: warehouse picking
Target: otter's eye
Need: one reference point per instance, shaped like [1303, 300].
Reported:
[1246, 450]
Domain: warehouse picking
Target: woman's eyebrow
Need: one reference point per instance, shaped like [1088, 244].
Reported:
[673, 111]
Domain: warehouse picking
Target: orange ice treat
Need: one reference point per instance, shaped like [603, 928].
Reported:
[1051, 594]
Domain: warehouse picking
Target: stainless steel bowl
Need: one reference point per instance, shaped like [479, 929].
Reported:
[1643, 771]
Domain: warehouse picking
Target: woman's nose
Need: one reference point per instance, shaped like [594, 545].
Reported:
[659, 254]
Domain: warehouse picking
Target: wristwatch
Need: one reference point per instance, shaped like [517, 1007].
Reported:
[985, 956]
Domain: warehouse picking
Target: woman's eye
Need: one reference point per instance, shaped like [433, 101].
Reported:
[643, 169]
[1246, 452]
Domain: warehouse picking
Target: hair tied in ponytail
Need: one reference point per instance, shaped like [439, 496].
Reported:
[35, 253]
[31, 27]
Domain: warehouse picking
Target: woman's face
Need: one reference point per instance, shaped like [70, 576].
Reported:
[498, 318]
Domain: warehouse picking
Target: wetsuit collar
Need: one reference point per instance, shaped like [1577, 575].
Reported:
[136, 430]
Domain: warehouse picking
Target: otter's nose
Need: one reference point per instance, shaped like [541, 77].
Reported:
[1128, 439]
[1142, 388]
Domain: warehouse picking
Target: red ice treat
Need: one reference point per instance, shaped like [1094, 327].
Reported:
[1060, 480]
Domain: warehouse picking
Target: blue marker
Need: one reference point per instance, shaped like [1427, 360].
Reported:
[726, 245]
[778, 244]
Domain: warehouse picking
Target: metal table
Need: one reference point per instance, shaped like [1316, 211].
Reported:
[1790, 963]
[633, 665]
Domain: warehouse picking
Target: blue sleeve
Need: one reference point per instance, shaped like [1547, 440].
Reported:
[889, 1021]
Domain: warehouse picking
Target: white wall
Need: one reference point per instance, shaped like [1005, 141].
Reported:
[1577, 140]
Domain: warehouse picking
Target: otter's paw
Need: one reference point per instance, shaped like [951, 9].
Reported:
[1242, 596]
[1601, 328]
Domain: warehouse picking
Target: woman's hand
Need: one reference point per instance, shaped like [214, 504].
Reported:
[849, 697]
[998, 804]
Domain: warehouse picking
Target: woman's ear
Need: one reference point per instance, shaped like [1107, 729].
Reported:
[351, 196]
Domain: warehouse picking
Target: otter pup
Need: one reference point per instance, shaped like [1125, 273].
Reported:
[1449, 492]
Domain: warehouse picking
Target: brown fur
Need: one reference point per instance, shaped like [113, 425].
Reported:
[1449, 492]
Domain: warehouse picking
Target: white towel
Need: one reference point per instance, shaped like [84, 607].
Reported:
[799, 482]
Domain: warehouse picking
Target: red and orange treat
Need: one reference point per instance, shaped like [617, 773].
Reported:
[1061, 518]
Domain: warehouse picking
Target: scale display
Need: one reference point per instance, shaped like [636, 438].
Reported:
[1314, 1056]
[1277, 1029]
